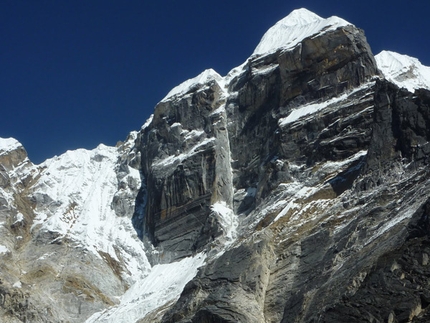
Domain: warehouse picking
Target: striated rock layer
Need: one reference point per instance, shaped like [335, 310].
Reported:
[294, 189]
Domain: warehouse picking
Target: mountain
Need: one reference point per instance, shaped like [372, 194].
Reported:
[294, 189]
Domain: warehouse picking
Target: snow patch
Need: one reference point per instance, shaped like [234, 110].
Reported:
[17, 284]
[81, 186]
[161, 286]
[307, 110]
[3, 249]
[19, 218]
[266, 70]
[147, 122]
[179, 158]
[291, 30]
[227, 220]
[193, 134]
[332, 166]
[312, 108]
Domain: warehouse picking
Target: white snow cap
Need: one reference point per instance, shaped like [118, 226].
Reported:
[295, 27]
[8, 144]
[403, 70]
[202, 78]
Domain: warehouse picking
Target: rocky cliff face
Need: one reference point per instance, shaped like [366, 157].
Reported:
[294, 189]
[218, 142]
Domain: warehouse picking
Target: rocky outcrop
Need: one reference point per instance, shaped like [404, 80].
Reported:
[186, 164]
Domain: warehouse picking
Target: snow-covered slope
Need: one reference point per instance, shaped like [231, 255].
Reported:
[8, 144]
[295, 27]
[68, 221]
[160, 287]
[403, 70]
[75, 194]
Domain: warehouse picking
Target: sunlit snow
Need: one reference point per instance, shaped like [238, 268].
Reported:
[202, 78]
[228, 221]
[81, 185]
[403, 70]
[312, 108]
[163, 285]
[8, 144]
[291, 30]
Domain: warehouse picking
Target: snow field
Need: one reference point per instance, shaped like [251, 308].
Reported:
[162, 285]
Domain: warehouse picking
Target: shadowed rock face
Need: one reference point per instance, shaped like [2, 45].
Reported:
[185, 161]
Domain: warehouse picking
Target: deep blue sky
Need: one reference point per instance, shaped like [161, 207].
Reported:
[77, 73]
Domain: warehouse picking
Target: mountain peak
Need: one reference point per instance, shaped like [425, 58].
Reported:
[291, 30]
[403, 70]
[300, 16]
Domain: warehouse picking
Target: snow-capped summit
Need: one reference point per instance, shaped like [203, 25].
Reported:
[286, 33]
[295, 27]
[403, 70]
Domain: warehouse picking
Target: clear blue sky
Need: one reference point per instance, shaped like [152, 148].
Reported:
[82, 72]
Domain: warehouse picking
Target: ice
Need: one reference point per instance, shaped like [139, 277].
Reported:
[403, 70]
[161, 286]
[291, 30]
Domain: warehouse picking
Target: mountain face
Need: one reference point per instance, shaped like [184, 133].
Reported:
[294, 189]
